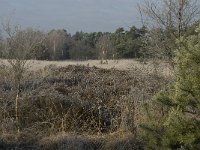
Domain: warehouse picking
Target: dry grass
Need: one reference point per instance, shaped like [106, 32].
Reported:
[71, 141]
[123, 64]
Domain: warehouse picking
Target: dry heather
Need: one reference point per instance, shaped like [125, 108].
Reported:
[56, 101]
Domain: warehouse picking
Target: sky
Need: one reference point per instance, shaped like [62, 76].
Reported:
[72, 15]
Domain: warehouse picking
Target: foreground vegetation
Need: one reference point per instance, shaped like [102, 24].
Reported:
[83, 107]
[76, 103]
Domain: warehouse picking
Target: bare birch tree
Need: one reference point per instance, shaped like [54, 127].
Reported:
[1, 44]
[105, 48]
[19, 46]
[56, 41]
[172, 19]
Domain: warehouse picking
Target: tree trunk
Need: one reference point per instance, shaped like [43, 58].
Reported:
[16, 106]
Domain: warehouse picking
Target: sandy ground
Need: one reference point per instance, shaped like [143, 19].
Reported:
[124, 64]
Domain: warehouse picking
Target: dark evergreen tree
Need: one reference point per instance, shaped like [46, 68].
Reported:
[176, 123]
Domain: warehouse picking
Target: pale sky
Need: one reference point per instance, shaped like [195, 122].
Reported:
[73, 15]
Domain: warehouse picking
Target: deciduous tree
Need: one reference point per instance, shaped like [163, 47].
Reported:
[172, 18]
[18, 47]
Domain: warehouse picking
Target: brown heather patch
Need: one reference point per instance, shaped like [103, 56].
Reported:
[101, 107]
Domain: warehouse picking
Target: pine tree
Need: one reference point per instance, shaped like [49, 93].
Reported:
[176, 125]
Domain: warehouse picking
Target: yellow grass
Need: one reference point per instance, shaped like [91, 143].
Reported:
[123, 64]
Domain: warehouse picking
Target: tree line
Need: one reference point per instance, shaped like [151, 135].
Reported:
[61, 45]
[143, 42]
